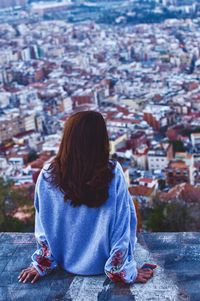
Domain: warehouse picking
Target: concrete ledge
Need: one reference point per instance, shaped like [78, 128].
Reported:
[176, 278]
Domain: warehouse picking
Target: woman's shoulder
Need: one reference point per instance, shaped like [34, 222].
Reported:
[43, 174]
[46, 168]
[118, 172]
[116, 165]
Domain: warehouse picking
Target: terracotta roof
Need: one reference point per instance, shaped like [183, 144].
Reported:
[22, 186]
[38, 163]
[178, 164]
[141, 190]
[146, 180]
[185, 192]
[25, 133]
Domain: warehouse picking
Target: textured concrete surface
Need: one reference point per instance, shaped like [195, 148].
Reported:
[176, 278]
[179, 255]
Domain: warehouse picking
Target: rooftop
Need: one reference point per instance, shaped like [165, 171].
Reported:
[176, 277]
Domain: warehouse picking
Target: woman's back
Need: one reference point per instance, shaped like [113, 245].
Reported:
[85, 218]
[82, 239]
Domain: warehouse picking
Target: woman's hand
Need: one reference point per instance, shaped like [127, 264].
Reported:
[144, 275]
[28, 274]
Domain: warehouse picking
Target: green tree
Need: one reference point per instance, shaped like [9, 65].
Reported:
[178, 146]
[10, 199]
[32, 155]
[162, 184]
[168, 217]
[177, 217]
[155, 219]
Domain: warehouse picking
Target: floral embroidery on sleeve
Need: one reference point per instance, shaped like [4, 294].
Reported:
[120, 265]
[43, 260]
[115, 274]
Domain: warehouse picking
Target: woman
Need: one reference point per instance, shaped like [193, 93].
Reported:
[85, 219]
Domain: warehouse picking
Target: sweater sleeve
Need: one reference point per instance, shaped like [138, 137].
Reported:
[42, 259]
[121, 266]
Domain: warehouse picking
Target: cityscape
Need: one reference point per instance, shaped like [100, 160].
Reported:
[136, 62]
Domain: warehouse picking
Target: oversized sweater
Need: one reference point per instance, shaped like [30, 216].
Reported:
[84, 240]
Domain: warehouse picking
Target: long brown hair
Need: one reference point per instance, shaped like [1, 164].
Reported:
[82, 169]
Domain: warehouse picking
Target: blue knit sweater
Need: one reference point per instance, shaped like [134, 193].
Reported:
[83, 240]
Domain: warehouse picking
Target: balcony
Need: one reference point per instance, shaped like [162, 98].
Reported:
[177, 276]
